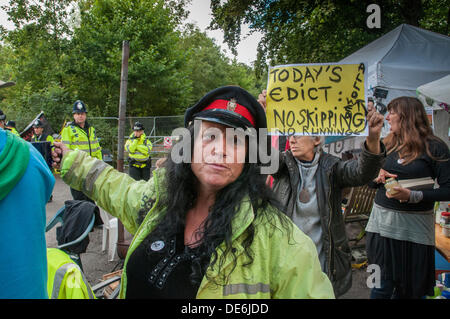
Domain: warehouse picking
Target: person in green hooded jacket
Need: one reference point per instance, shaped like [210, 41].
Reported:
[207, 227]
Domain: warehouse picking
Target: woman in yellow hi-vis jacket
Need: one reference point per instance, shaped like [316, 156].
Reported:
[80, 135]
[138, 148]
[209, 227]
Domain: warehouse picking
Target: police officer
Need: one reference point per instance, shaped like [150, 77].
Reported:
[138, 148]
[39, 135]
[11, 126]
[80, 135]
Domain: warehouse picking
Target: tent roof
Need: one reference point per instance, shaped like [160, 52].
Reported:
[436, 93]
[404, 58]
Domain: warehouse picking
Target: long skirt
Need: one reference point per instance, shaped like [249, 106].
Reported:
[409, 266]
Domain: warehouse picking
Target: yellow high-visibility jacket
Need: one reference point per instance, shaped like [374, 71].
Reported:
[65, 278]
[138, 150]
[14, 131]
[42, 138]
[74, 137]
[283, 267]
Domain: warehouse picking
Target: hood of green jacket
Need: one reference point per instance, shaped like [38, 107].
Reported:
[14, 158]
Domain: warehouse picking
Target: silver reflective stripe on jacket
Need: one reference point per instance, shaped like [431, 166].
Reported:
[92, 150]
[140, 159]
[81, 142]
[59, 277]
[93, 174]
[147, 156]
[245, 289]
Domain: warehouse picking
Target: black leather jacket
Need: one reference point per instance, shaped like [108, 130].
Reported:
[333, 175]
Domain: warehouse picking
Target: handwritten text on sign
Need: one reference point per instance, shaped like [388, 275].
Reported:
[319, 99]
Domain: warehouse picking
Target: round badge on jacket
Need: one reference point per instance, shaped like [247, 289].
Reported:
[157, 245]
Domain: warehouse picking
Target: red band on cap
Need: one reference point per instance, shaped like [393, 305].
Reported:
[233, 107]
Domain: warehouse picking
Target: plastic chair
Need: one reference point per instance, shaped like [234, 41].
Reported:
[58, 218]
[110, 234]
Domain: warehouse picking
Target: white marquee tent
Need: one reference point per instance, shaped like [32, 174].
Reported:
[403, 59]
[436, 94]
[400, 62]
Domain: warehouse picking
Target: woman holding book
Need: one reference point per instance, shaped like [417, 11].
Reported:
[400, 231]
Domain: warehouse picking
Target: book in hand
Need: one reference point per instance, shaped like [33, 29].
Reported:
[417, 183]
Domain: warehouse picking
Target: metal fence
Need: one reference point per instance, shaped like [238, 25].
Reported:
[155, 127]
[158, 127]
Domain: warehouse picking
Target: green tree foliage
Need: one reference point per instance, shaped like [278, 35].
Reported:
[209, 68]
[319, 31]
[39, 40]
[206, 64]
[62, 50]
[157, 84]
[32, 55]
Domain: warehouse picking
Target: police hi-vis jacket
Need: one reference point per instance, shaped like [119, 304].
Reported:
[138, 150]
[13, 130]
[42, 138]
[282, 268]
[65, 278]
[74, 137]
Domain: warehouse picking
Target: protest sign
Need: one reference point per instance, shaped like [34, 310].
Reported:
[319, 99]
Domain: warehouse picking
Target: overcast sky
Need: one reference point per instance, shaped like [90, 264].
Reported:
[200, 15]
[3, 17]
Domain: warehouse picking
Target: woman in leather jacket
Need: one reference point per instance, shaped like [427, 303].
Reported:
[309, 184]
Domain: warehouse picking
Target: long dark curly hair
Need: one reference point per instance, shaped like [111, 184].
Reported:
[181, 196]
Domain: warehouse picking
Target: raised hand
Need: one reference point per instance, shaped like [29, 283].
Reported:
[375, 123]
[58, 151]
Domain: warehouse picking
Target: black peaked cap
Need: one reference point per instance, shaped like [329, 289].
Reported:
[224, 116]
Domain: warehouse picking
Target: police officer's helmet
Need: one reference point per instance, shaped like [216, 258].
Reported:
[38, 123]
[11, 124]
[138, 126]
[79, 107]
